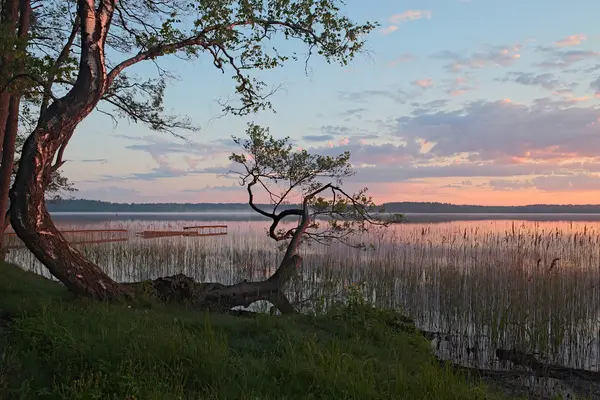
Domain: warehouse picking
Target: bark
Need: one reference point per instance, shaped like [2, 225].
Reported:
[9, 105]
[8, 155]
[9, 15]
[29, 216]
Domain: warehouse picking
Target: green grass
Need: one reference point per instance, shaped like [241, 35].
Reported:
[58, 347]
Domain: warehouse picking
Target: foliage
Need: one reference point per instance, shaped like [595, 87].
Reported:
[236, 35]
[58, 347]
[271, 165]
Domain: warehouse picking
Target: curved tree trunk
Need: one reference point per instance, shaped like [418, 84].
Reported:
[29, 216]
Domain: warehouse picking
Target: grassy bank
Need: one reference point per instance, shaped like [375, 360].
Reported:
[57, 347]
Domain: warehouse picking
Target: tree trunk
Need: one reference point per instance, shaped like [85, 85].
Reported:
[9, 104]
[8, 155]
[29, 216]
[8, 27]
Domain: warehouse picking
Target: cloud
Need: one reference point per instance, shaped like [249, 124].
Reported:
[510, 184]
[165, 171]
[563, 59]
[94, 160]
[318, 138]
[547, 80]
[567, 183]
[423, 83]
[354, 112]
[495, 56]
[458, 86]
[489, 130]
[365, 96]
[391, 173]
[337, 132]
[231, 188]
[388, 29]
[572, 40]
[110, 193]
[424, 108]
[372, 154]
[408, 15]
[403, 58]
[595, 85]
[580, 182]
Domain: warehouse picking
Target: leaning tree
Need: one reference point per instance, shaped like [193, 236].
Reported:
[323, 210]
[236, 35]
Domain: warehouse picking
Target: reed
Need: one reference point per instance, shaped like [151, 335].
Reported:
[533, 286]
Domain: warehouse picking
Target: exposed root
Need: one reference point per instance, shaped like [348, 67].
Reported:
[214, 297]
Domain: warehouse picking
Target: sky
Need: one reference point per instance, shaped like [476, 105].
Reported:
[459, 101]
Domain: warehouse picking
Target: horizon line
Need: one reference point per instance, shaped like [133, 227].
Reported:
[382, 204]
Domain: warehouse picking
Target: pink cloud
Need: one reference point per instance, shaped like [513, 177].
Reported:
[409, 15]
[423, 83]
[406, 57]
[389, 29]
[457, 92]
[572, 40]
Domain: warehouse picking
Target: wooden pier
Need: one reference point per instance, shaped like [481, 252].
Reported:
[189, 231]
[199, 230]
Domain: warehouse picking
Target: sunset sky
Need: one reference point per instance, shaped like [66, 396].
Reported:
[460, 101]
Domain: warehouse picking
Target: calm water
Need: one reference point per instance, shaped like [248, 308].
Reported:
[248, 216]
[483, 283]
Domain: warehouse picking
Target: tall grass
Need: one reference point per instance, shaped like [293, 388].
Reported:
[58, 347]
[483, 284]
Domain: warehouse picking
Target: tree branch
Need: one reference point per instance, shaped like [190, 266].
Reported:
[62, 57]
[251, 201]
[200, 40]
[59, 158]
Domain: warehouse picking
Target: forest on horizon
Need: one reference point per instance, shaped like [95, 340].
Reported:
[82, 205]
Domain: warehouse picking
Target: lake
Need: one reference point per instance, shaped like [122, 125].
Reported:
[481, 281]
[235, 215]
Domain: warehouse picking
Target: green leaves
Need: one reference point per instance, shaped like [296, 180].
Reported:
[273, 159]
[272, 165]
[239, 36]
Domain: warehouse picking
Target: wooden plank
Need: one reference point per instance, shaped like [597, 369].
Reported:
[205, 226]
[99, 241]
[84, 231]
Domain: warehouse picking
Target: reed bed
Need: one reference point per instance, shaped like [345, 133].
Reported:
[532, 286]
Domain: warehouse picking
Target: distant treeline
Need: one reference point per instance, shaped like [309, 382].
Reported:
[416, 207]
[399, 207]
